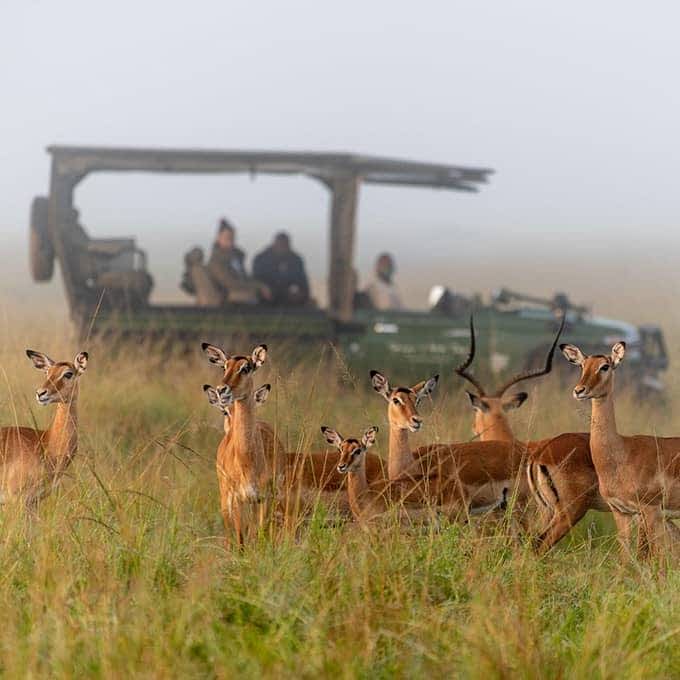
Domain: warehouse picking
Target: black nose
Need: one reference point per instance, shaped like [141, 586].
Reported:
[579, 389]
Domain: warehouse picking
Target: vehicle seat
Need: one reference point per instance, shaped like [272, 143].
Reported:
[117, 266]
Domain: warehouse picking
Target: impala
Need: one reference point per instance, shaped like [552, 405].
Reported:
[560, 471]
[33, 461]
[370, 501]
[403, 417]
[249, 457]
[639, 476]
[491, 409]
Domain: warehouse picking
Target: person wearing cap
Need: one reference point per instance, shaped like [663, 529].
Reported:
[382, 291]
[283, 271]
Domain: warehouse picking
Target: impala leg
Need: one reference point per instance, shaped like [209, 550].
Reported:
[228, 523]
[661, 535]
[558, 525]
[625, 523]
[233, 529]
[237, 520]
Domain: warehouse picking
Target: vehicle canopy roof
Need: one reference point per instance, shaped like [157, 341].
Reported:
[341, 173]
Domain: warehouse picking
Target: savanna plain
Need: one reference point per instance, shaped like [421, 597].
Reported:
[123, 571]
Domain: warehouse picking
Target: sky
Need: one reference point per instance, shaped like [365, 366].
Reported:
[575, 105]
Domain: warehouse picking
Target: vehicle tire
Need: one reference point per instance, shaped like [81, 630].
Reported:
[41, 250]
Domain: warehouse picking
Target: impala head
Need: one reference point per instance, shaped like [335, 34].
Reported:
[403, 402]
[597, 370]
[491, 408]
[238, 369]
[221, 397]
[352, 450]
[62, 377]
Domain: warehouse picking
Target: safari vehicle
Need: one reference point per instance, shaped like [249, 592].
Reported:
[108, 285]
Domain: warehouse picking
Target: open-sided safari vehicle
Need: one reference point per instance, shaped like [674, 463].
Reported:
[108, 285]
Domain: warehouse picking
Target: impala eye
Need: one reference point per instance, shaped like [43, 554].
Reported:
[68, 375]
[604, 368]
[245, 368]
[396, 401]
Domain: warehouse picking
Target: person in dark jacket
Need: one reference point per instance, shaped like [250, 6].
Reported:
[283, 272]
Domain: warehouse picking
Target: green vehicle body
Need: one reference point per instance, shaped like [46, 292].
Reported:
[107, 285]
[408, 344]
[508, 341]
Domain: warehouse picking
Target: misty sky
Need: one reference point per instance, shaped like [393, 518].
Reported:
[576, 105]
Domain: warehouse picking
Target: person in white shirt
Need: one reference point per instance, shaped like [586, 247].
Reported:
[382, 291]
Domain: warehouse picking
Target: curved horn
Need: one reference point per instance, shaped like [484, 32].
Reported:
[462, 369]
[537, 372]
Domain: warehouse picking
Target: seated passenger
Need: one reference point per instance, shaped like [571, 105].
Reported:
[283, 271]
[227, 262]
[382, 292]
[224, 278]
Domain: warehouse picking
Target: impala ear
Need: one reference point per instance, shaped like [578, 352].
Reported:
[41, 361]
[477, 402]
[618, 352]
[262, 393]
[573, 354]
[369, 437]
[332, 437]
[380, 384]
[425, 388]
[514, 401]
[80, 362]
[215, 355]
[212, 395]
[259, 355]
[220, 397]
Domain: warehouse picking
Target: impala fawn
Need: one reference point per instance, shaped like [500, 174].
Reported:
[33, 461]
[249, 457]
[639, 476]
[560, 473]
[370, 501]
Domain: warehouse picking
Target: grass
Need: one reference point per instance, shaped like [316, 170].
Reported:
[123, 573]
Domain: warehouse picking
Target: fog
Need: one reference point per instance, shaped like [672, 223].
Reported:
[574, 105]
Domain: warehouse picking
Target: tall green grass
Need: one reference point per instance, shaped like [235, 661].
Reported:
[123, 571]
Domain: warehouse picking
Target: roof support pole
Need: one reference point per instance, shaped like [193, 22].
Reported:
[60, 214]
[341, 280]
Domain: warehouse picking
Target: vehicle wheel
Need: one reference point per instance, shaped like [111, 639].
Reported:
[41, 251]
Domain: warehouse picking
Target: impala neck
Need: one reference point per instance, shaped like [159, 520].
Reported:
[496, 429]
[242, 431]
[226, 425]
[399, 456]
[357, 485]
[605, 441]
[62, 436]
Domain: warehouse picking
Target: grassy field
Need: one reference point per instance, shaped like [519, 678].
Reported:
[124, 572]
